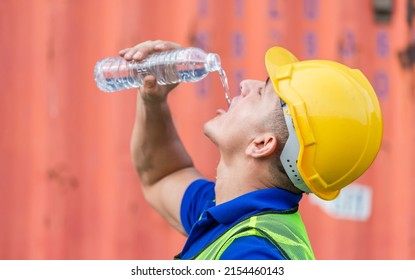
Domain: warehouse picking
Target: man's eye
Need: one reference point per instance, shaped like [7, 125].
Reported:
[260, 91]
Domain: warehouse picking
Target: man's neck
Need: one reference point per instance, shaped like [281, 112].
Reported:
[238, 177]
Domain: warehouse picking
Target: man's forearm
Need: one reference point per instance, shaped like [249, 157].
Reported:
[156, 148]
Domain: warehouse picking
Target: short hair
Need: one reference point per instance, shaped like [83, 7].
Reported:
[276, 124]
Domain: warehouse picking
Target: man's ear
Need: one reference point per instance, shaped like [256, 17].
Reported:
[262, 145]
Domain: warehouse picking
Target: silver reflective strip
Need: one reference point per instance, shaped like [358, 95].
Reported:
[289, 155]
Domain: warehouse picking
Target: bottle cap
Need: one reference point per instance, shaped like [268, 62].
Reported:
[213, 62]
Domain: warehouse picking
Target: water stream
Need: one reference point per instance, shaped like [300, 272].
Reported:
[225, 84]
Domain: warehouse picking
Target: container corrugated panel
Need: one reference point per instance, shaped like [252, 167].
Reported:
[68, 188]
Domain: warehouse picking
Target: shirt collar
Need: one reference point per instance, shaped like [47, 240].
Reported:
[271, 199]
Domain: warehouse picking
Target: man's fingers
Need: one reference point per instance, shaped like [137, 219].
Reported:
[144, 49]
[166, 45]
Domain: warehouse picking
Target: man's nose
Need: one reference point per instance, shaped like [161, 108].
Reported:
[245, 88]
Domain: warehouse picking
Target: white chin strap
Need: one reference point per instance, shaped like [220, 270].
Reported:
[289, 155]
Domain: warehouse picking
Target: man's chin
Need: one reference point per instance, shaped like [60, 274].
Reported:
[209, 131]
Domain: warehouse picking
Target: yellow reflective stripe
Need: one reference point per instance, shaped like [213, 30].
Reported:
[250, 232]
[252, 221]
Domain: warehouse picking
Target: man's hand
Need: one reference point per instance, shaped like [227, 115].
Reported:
[151, 91]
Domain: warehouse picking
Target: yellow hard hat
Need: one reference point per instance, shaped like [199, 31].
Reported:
[333, 118]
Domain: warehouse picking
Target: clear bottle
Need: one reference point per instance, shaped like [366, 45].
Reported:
[169, 67]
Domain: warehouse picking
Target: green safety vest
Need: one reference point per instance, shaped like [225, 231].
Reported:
[285, 230]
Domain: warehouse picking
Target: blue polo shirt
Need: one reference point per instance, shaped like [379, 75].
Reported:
[203, 221]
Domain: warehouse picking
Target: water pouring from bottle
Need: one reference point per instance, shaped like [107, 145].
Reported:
[225, 84]
[169, 67]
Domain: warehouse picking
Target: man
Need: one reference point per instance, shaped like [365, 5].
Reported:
[311, 127]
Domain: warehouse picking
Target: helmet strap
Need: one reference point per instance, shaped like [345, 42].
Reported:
[289, 155]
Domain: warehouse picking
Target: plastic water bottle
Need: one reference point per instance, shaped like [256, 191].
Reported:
[169, 67]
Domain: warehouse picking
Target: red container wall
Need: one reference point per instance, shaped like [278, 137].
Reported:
[68, 189]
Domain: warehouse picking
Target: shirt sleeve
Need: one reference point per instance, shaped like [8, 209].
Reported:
[251, 248]
[199, 196]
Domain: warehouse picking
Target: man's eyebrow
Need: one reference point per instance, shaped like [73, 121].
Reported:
[266, 82]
